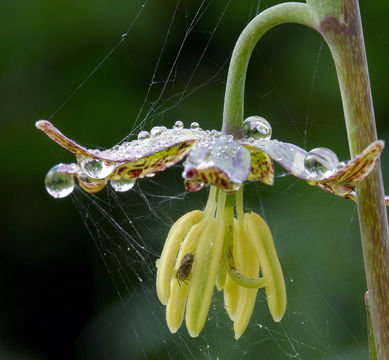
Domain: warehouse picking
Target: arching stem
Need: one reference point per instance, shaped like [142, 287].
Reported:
[233, 100]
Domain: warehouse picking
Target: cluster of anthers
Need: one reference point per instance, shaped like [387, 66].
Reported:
[221, 244]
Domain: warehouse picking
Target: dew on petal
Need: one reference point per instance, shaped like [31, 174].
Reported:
[178, 125]
[96, 169]
[257, 127]
[143, 135]
[194, 125]
[122, 185]
[157, 130]
[59, 185]
[320, 160]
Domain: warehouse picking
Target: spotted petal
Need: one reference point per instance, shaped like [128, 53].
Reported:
[359, 167]
[340, 180]
[134, 159]
[261, 166]
[217, 161]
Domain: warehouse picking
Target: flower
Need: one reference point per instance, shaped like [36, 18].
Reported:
[212, 158]
[221, 244]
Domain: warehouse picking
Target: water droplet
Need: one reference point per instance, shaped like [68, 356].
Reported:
[96, 169]
[341, 164]
[143, 135]
[178, 125]
[157, 130]
[194, 126]
[122, 185]
[320, 160]
[257, 127]
[59, 185]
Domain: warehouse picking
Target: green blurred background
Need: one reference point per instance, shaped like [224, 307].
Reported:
[68, 293]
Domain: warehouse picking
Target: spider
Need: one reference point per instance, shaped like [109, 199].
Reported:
[185, 268]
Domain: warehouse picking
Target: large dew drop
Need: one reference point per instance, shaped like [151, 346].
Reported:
[320, 160]
[157, 130]
[143, 135]
[194, 126]
[96, 169]
[122, 185]
[178, 125]
[257, 127]
[59, 185]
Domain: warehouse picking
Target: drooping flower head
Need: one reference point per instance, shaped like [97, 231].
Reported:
[222, 244]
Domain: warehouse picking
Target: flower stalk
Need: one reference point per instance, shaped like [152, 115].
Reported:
[291, 12]
[344, 36]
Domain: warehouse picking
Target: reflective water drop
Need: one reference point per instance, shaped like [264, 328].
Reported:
[96, 169]
[122, 185]
[178, 125]
[157, 130]
[59, 185]
[320, 160]
[257, 127]
[341, 164]
[90, 185]
[143, 135]
[194, 126]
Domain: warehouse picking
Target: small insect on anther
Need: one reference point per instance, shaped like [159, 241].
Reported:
[185, 268]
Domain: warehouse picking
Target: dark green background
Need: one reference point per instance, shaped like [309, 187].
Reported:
[57, 299]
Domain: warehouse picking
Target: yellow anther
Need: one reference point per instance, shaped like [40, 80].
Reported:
[248, 265]
[204, 272]
[179, 289]
[259, 235]
[169, 253]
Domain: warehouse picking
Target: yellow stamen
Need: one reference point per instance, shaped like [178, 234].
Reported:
[204, 272]
[170, 250]
[179, 290]
[259, 235]
[231, 288]
[249, 266]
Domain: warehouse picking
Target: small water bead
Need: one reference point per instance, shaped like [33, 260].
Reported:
[178, 125]
[320, 160]
[257, 127]
[157, 130]
[122, 185]
[143, 135]
[59, 185]
[194, 126]
[341, 164]
[96, 169]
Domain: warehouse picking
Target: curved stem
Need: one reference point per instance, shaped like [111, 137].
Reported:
[234, 95]
[344, 36]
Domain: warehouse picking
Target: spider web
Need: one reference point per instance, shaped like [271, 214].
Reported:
[316, 234]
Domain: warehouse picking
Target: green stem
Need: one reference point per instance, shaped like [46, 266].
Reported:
[343, 34]
[234, 96]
